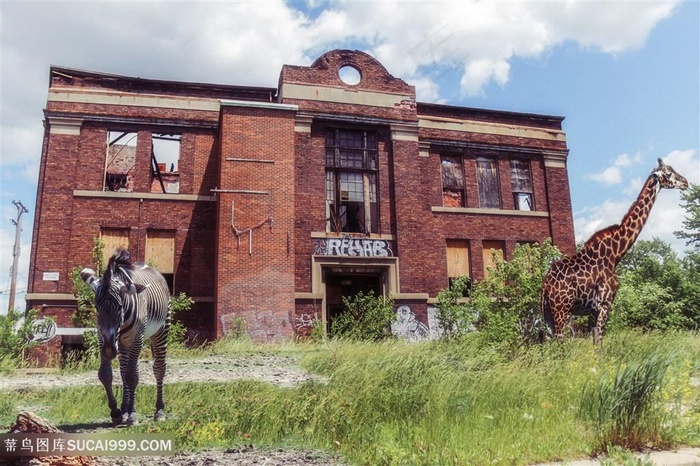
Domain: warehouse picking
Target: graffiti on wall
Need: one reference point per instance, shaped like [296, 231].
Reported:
[353, 247]
[303, 321]
[408, 327]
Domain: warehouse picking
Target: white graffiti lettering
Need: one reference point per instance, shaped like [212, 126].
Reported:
[355, 247]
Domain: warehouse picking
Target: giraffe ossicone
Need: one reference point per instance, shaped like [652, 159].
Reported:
[585, 283]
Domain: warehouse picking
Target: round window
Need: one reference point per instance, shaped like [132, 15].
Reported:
[349, 75]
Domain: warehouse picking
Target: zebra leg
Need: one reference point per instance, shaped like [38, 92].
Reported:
[105, 376]
[159, 346]
[130, 378]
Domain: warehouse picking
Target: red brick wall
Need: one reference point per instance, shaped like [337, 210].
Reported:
[256, 283]
[65, 224]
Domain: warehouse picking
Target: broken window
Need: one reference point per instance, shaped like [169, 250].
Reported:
[487, 180]
[120, 161]
[452, 181]
[351, 181]
[521, 184]
[165, 160]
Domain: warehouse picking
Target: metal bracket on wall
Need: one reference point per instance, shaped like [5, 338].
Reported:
[238, 233]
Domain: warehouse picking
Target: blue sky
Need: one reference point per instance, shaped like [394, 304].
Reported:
[624, 74]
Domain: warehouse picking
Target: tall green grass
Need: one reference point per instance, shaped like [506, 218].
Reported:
[428, 403]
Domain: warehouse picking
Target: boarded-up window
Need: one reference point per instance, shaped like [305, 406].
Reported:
[487, 180]
[521, 184]
[113, 239]
[452, 181]
[121, 161]
[493, 251]
[458, 261]
[457, 258]
[160, 250]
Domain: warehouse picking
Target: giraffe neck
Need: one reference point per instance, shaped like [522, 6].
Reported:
[635, 218]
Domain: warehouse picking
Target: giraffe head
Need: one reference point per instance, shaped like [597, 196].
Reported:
[668, 178]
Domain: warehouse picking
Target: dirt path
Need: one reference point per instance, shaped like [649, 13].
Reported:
[279, 370]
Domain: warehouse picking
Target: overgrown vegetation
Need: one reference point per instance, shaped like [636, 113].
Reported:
[508, 301]
[366, 317]
[85, 314]
[454, 314]
[16, 334]
[432, 403]
[178, 305]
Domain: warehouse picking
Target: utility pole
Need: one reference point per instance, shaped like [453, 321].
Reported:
[15, 253]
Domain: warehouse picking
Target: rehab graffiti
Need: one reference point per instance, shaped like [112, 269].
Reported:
[353, 247]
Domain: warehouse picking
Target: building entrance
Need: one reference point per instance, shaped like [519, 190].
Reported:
[344, 284]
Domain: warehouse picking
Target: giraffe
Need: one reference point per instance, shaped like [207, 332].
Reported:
[585, 283]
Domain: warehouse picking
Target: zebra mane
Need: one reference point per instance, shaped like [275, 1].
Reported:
[119, 267]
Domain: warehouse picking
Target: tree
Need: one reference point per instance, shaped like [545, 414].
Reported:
[658, 291]
[691, 224]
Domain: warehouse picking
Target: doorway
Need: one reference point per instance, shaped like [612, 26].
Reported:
[343, 284]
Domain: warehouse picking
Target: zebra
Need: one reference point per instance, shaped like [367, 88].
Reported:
[133, 303]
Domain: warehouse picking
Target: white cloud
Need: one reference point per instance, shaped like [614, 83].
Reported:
[613, 174]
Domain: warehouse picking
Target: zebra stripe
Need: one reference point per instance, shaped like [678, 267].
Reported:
[133, 304]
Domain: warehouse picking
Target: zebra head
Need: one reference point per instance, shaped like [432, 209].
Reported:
[115, 295]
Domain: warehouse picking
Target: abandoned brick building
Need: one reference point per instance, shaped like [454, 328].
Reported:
[268, 205]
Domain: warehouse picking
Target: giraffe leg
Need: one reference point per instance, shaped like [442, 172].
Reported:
[599, 329]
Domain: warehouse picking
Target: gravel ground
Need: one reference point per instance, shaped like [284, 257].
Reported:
[280, 370]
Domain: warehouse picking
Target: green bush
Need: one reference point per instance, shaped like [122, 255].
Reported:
[366, 317]
[178, 304]
[508, 301]
[16, 333]
[455, 316]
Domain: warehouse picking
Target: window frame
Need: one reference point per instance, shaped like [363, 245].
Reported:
[517, 184]
[486, 191]
[352, 161]
[452, 190]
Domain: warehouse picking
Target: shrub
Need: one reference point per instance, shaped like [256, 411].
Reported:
[16, 333]
[85, 314]
[366, 317]
[624, 403]
[178, 304]
[508, 301]
[455, 316]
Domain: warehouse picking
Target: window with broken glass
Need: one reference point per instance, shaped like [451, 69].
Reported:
[121, 161]
[121, 164]
[452, 181]
[351, 181]
[521, 183]
[165, 161]
[487, 181]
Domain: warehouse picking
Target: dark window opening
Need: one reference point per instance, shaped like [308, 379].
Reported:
[521, 183]
[351, 181]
